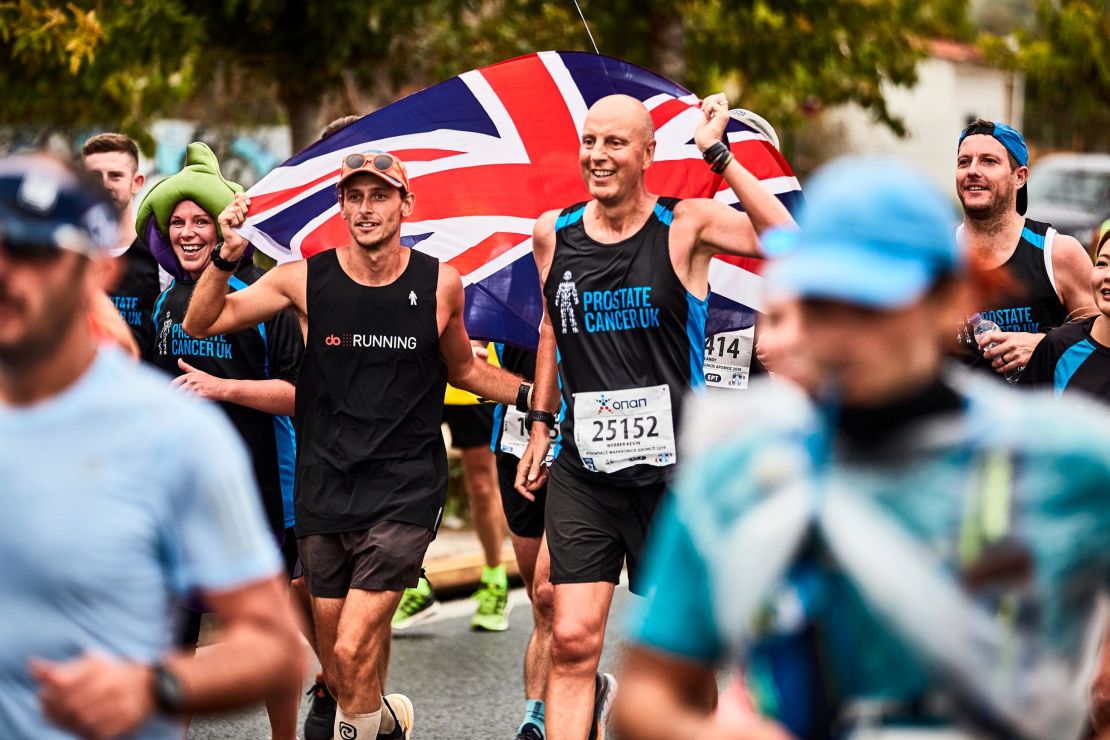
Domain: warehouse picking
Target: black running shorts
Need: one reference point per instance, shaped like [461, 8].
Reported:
[471, 426]
[385, 557]
[525, 517]
[289, 554]
[593, 527]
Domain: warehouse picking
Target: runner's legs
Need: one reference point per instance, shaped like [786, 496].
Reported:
[480, 473]
[581, 611]
[535, 568]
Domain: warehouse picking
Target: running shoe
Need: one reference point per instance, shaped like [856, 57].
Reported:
[417, 604]
[529, 732]
[319, 724]
[400, 706]
[492, 614]
[605, 691]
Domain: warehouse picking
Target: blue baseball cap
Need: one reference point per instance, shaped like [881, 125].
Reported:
[1011, 139]
[46, 204]
[874, 232]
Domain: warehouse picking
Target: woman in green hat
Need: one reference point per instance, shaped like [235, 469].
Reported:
[251, 374]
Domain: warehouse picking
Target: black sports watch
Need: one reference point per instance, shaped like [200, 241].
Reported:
[220, 262]
[523, 397]
[168, 692]
[541, 416]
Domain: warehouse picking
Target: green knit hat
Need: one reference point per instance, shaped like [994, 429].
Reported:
[199, 181]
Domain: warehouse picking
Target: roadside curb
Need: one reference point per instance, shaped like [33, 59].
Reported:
[464, 571]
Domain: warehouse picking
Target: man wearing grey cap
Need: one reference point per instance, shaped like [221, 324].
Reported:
[118, 495]
[1048, 270]
[886, 553]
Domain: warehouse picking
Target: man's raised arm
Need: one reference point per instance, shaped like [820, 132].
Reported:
[212, 311]
[763, 208]
[721, 228]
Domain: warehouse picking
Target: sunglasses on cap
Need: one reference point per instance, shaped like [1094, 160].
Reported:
[382, 164]
[381, 161]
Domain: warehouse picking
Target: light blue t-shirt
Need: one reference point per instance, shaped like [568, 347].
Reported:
[872, 570]
[116, 496]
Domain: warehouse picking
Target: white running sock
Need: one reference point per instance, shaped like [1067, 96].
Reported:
[356, 726]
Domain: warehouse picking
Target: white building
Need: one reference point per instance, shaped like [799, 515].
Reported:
[955, 86]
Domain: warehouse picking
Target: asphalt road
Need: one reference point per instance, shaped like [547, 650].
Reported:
[463, 684]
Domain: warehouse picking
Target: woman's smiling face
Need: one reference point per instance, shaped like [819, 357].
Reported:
[193, 236]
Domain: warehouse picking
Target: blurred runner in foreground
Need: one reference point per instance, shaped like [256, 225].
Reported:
[894, 550]
[117, 494]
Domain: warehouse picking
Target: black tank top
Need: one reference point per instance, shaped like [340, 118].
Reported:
[135, 293]
[1036, 308]
[270, 350]
[623, 321]
[370, 400]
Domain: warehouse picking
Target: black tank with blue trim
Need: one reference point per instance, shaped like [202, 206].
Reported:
[270, 350]
[631, 343]
[1070, 360]
[1036, 309]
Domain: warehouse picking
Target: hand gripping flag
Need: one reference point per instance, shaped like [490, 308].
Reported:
[487, 153]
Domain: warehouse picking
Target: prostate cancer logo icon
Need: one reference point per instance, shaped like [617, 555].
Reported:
[332, 340]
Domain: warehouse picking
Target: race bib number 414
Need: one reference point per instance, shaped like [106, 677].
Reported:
[618, 429]
[728, 359]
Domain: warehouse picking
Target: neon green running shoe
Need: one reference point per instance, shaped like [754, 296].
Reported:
[492, 614]
[417, 604]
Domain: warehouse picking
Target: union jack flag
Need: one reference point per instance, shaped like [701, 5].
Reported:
[487, 153]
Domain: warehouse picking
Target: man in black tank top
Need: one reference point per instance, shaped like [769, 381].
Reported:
[385, 335]
[1049, 270]
[625, 282]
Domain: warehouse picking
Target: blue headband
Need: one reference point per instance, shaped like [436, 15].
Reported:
[1007, 136]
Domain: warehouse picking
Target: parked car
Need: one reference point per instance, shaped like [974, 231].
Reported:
[1072, 192]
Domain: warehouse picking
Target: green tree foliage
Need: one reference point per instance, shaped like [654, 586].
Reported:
[67, 66]
[128, 60]
[788, 57]
[1065, 54]
[783, 58]
[120, 63]
[310, 49]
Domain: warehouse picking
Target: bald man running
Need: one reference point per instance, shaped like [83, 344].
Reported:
[626, 282]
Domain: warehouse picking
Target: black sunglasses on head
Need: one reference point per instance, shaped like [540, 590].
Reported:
[382, 161]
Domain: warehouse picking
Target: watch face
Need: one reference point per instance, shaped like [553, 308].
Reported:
[167, 689]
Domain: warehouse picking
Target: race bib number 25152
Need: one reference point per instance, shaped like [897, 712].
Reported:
[618, 429]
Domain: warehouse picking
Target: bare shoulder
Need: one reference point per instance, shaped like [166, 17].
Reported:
[289, 273]
[449, 285]
[543, 241]
[1069, 254]
[291, 278]
[544, 228]
[702, 210]
[448, 275]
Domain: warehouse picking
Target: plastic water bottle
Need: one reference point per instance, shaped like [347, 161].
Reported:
[980, 326]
